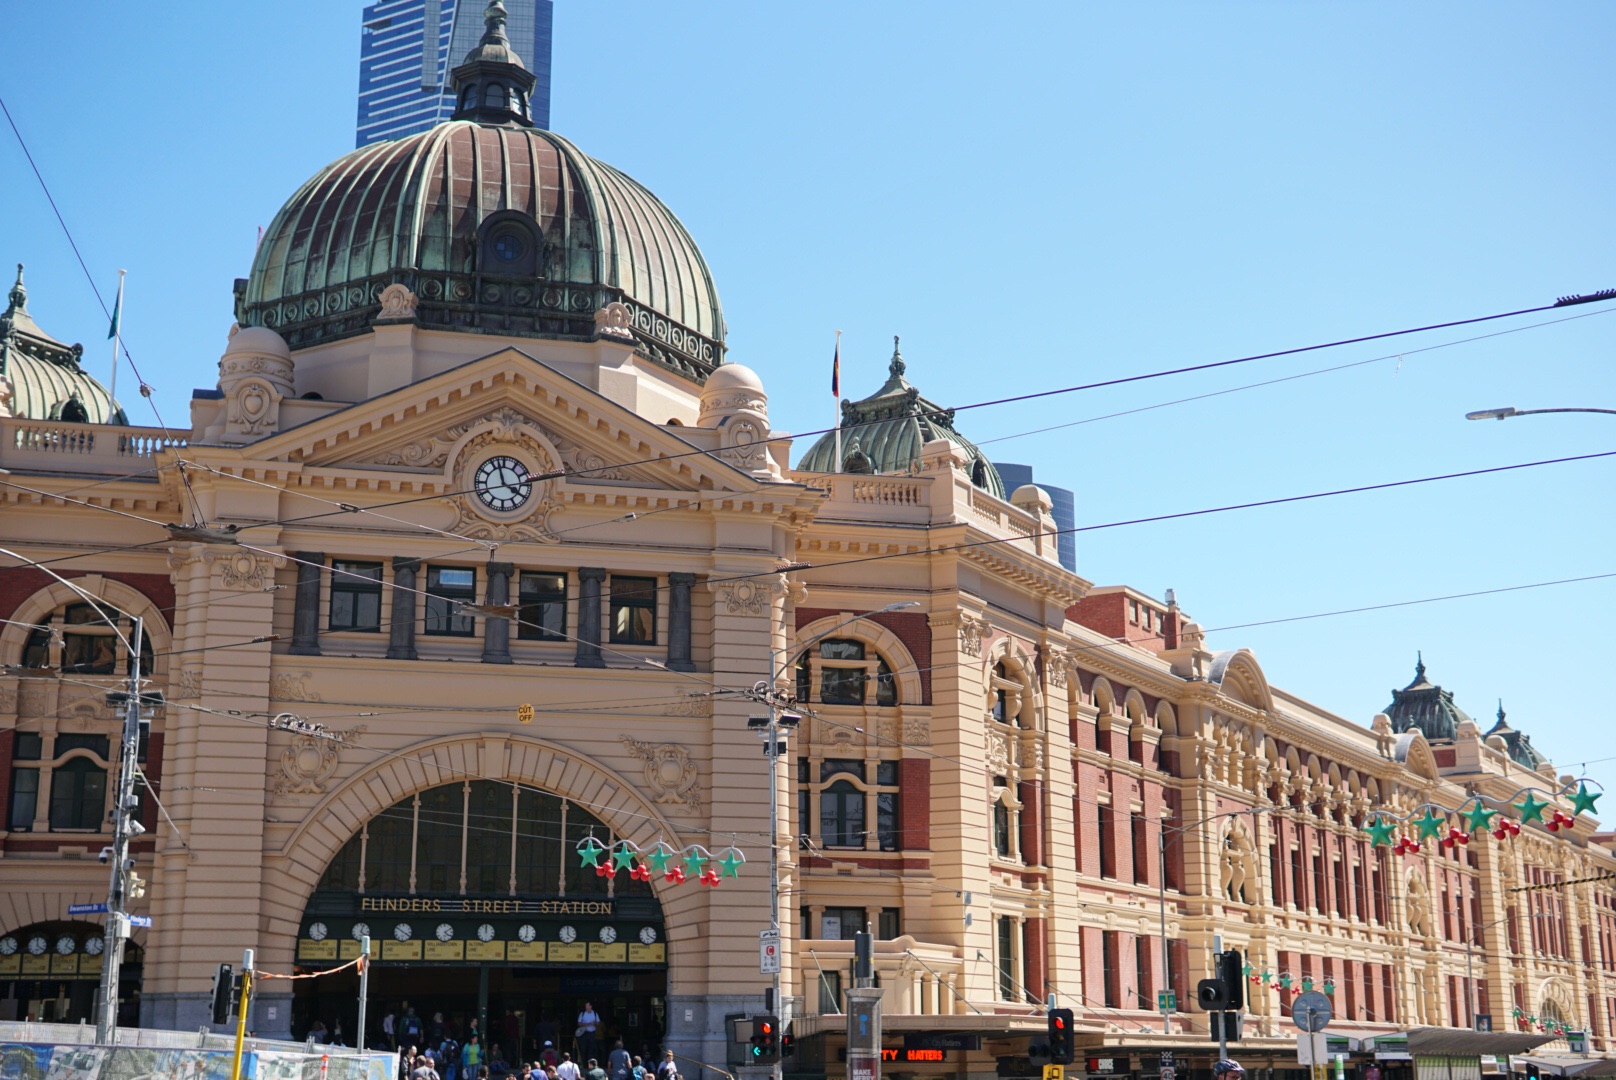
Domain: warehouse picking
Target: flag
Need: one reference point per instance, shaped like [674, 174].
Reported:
[117, 312]
[836, 370]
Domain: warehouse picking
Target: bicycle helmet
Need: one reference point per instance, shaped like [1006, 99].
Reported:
[1224, 1066]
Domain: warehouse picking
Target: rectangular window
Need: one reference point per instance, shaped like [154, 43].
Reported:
[356, 596]
[891, 923]
[1141, 964]
[30, 746]
[841, 685]
[886, 820]
[446, 588]
[543, 607]
[1109, 969]
[1007, 958]
[1141, 850]
[805, 915]
[78, 795]
[841, 923]
[634, 610]
[841, 815]
[1108, 856]
[24, 799]
[830, 991]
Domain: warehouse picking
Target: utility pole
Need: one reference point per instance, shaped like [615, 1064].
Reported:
[364, 989]
[241, 1011]
[125, 827]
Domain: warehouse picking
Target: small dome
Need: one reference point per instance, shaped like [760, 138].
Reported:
[733, 377]
[1425, 707]
[257, 341]
[47, 382]
[1517, 744]
[885, 432]
[1028, 496]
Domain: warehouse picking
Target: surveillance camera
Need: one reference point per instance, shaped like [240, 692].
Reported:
[106, 855]
[790, 720]
[136, 828]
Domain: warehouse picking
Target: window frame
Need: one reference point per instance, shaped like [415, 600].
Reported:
[346, 583]
[448, 620]
[77, 798]
[632, 602]
[531, 626]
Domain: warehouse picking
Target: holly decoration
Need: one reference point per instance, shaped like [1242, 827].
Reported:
[1584, 800]
[605, 870]
[676, 875]
[1530, 809]
[1559, 821]
[1506, 829]
[710, 877]
[641, 872]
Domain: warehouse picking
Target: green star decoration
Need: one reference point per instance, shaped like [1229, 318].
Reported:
[590, 852]
[1530, 809]
[1583, 800]
[731, 862]
[694, 860]
[623, 858]
[1380, 832]
[659, 858]
[1480, 818]
[1430, 825]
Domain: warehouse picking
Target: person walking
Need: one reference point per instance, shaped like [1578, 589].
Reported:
[390, 1030]
[594, 1072]
[667, 1069]
[568, 1069]
[620, 1063]
[471, 1056]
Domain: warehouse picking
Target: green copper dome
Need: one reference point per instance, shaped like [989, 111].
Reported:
[495, 226]
[884, 433]
[44, 376]
[1424, 706]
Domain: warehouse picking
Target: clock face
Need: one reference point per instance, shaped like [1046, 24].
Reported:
[648, 935]
[361, 931]
[318, 931]
[607, 935]
[502, 484]
[485, 932]
[444, 931]
[8, 945]
[65, 945]
[402, 931]
[526, 933]
[94, 946]
[37, 945]
[567, 934]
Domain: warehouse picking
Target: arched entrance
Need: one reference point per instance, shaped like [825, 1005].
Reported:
[479, 909]
[50, 971]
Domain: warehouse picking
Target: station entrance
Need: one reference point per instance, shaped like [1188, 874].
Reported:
[482, 919]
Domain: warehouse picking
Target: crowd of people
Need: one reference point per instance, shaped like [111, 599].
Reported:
[441, 1049]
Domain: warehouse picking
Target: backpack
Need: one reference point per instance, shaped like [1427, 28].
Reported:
[412, 1027]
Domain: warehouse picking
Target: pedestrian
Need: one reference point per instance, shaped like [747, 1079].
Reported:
[588, 1025]
[638, 1071]
[390, 1030]
[497, 1065]
[620, 1063]
[449, 1054]
[666, 1069]
[594, 1072]
[411, 1025]
[434, 1030]
[568, 1069]
[471, 1055]
[548, 1055]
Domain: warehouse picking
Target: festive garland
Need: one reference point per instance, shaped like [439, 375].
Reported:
[1546, 1025]
[1382, 825]
[1286, 983]
[641, 865]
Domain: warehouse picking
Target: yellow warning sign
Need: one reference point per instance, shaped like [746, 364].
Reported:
[1054, 1072]
[524, 714]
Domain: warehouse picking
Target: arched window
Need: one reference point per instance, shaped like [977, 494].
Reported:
[1005, 693]
[78, 640]
[841, 815]
[78, 794]
[845, 670]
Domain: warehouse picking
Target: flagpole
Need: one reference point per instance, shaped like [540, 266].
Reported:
[836, 388]
[117, 340]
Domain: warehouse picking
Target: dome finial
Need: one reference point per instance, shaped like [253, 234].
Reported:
[491, 85]
[19, 294]
[1419, 665]
[494, 20]
[897, 367]
[1500, 710]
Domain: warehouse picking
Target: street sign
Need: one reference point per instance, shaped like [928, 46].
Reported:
[1167, 1001]
[1311, 1012]
[1311, 1049]
[1054, 1072]
[1167, 1073]
[769, 952]
[524, 714]
[1167, 1060]
[86, 909]
[1577, 1041]
[140, 920]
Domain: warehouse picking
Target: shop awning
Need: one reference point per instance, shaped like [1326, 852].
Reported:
[1452, 1042]
[1556, 1065]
